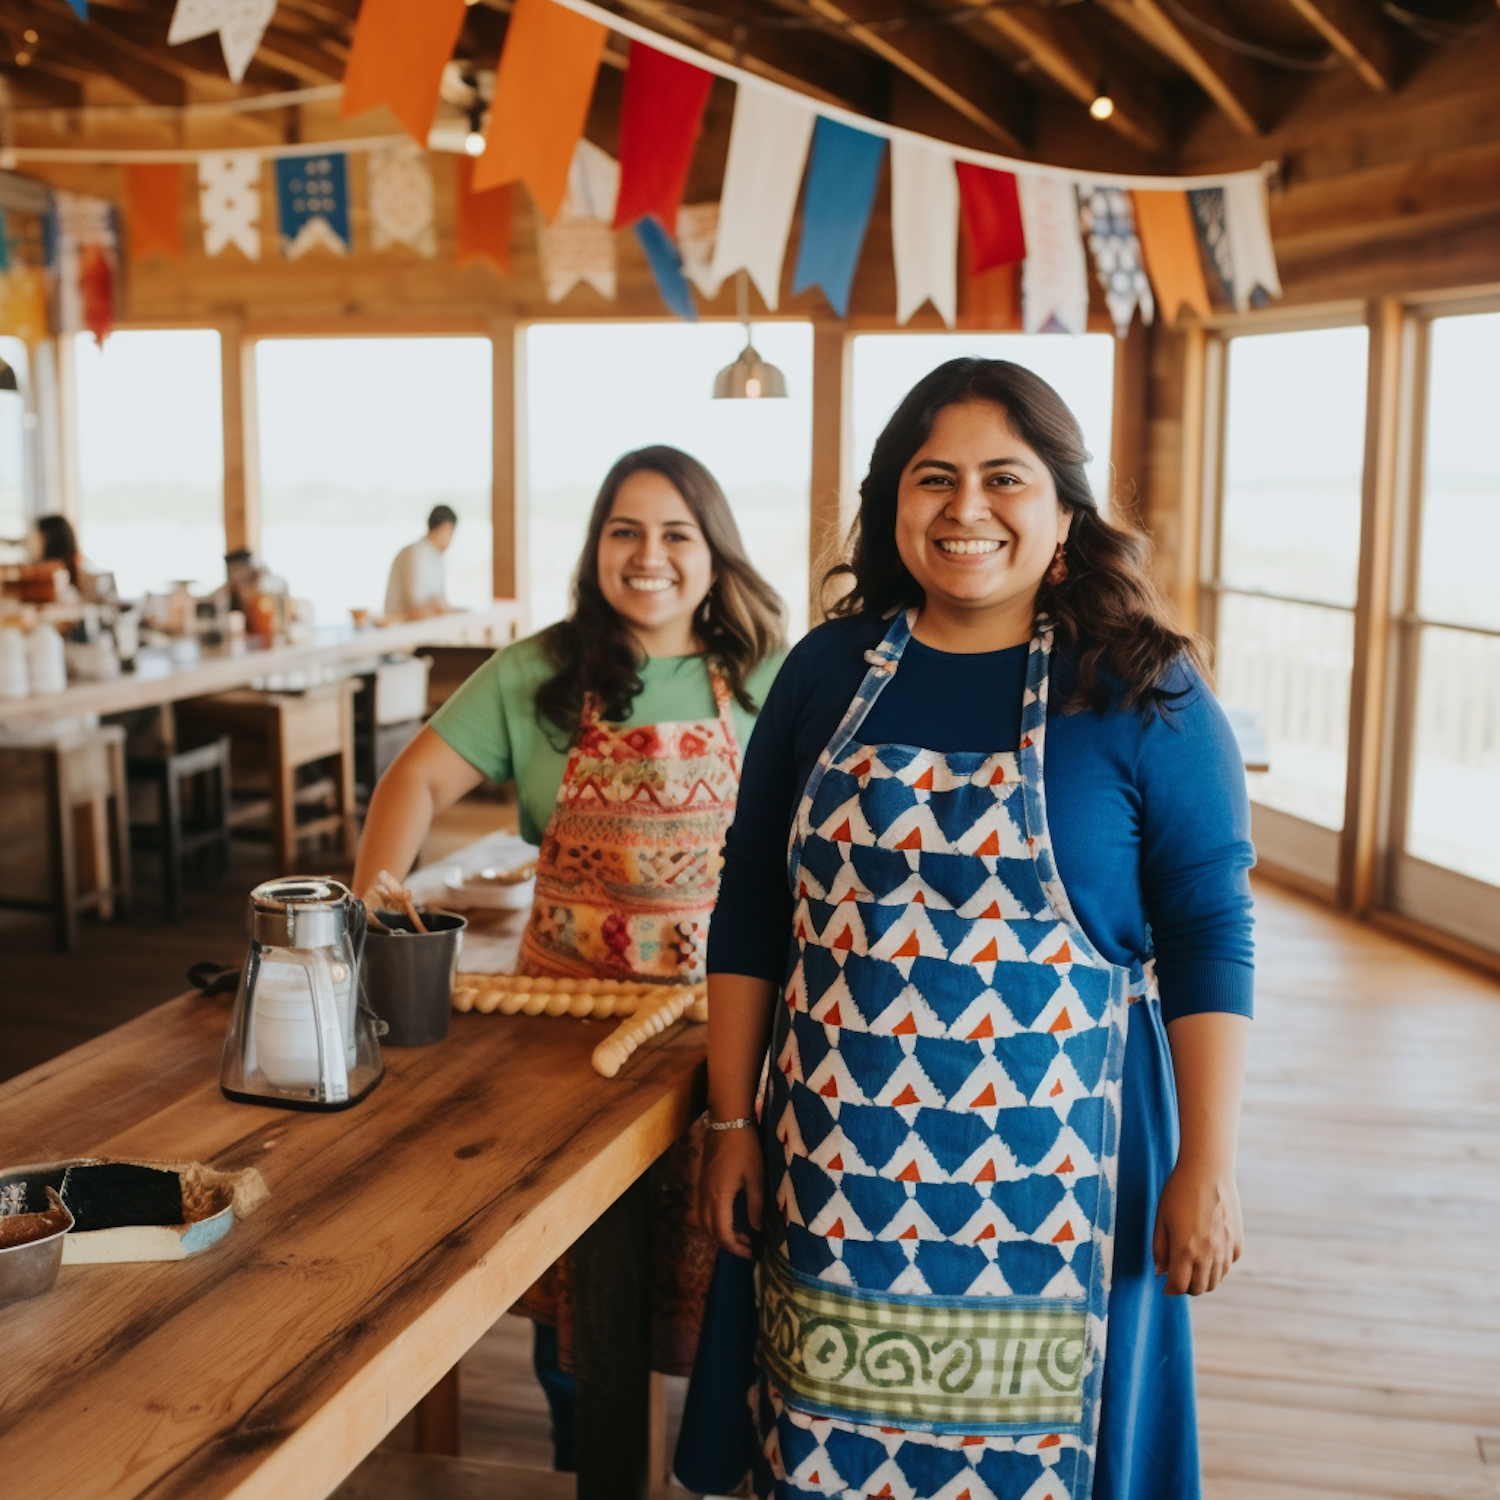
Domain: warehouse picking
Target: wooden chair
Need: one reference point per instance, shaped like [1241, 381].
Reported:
[192, 812]
[277, 738]
[64, 827]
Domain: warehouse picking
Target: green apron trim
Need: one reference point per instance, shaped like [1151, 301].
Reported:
[889, 1361]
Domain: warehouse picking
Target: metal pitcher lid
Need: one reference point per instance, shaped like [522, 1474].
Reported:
[299, 911]
[299, 893]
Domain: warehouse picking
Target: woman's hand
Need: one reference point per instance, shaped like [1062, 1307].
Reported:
[731, 1164]
[1199, 1234]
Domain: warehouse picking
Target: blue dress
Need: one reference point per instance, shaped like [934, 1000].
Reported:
[1142, 1405]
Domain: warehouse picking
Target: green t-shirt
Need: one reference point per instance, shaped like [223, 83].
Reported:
[491, 720]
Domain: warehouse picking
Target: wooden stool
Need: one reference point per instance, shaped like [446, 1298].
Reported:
[274, 736]
[64, 827]
[204, 774]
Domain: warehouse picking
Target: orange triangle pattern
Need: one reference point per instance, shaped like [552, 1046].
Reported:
[911, 948]
[913, 840]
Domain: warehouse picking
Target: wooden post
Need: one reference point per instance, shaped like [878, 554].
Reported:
[65, 427]
[1388, 408]
[1190, 487]
[1127, 442]
[242, 516]
[508, 483]
[440, 1417]
[833, 502]
[612, 1278]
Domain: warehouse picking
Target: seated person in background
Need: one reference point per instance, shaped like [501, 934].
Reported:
[416, 589]
[53, 541]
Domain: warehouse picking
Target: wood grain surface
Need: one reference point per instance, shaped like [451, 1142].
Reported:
[395, 1235]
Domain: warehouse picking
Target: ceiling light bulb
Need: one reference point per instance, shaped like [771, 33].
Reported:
[1102, 107]
[474, 144]
[752, 387]
[22, 59]
[29, 36]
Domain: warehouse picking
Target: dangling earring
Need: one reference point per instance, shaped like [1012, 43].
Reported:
[1058, 571]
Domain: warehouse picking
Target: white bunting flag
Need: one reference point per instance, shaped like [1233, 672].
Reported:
[924, 228]
[768, 144]
[697, 232]
[401, 199]
[1054, 275]
[1109, 222]
[1248, 229]
[80, 225]
[240, 24]
[579, 244]
[229, 201]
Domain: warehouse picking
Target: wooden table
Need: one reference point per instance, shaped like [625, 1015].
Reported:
[218, 672]
[395, 1234]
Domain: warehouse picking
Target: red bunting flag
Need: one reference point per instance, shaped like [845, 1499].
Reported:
[542, 93]
[992, 216]
[664, 101]
[481, 221]
[397, 57]
[153, 209]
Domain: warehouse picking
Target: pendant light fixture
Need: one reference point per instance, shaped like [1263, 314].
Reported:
[749, 377]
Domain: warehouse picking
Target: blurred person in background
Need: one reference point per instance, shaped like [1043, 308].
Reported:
[417, 588]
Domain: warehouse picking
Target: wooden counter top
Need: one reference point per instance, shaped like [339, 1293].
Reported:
[218, 672]
[395, 1234]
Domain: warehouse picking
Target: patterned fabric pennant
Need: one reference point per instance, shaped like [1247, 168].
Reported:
[83, 259]
[768, 144]
[836, 205]
[1207, 205]
[1055, 277]
[240, 24]
[542, 93]
[1109, 222]
[924, 228]
[659, 117]
[666, 266]
[153, 208]
[579, 244]
[1169, 243]
[401, 199]
[23, 304]
[697, 232]
[397, 57]
[312, 201]
[481, 221]
[992, 216]
[229, 201]
[1248, 230]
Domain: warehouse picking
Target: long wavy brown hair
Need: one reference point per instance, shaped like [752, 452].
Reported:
[739, 624]
[1108, 610]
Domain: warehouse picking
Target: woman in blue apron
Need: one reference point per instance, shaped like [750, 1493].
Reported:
[985, 915]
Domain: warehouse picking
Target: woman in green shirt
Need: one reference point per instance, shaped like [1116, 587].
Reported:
[623, 727]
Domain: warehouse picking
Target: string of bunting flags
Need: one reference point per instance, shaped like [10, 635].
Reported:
[1156, 242]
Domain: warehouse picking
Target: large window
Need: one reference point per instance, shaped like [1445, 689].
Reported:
[594, 391]
[359, 439]
[1288, 556]
[151, 457]
[1453, 817]
[1081, 370]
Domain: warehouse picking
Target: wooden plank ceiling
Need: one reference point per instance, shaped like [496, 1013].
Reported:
[1017, 78]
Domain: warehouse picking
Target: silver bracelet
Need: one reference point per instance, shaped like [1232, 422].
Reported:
[740, 1124]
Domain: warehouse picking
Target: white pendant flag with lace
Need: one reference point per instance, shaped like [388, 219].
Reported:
[229, 201]
[240, 24]
[924, 228]
[579, 244]
[768, 145]
[1054, 275]
[1248, 229]
[401, 199]
[697, 232]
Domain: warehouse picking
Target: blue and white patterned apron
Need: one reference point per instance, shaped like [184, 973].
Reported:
[941, 1124]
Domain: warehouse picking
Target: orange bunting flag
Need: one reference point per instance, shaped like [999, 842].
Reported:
[153, 209]
[481, 221]
[1169, 244]
[542, 93]
[397, 59]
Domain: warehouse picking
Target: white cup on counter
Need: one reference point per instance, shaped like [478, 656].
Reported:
[15, 676]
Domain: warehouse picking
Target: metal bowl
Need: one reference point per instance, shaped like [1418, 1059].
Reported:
[29, 1270]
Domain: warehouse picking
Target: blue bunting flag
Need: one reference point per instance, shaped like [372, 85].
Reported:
[666, 266]
[312, 200]
[836, 205]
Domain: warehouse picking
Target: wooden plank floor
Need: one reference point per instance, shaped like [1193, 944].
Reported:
[1356, 1349]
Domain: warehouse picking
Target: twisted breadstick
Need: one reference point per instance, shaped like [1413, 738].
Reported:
[521, 994]
[649, 1020]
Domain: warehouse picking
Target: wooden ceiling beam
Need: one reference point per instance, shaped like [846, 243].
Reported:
[1234, 82]
[1360, 34]
[1067, 54]
[942, 62]
[197, 61]
[32, 85]
[64, 38]
[306, 60]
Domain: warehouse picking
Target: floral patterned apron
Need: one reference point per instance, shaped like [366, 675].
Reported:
[941, 1129]
[627, 876]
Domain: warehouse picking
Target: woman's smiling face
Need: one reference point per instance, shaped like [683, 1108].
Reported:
[655, 566]
[978, 520]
